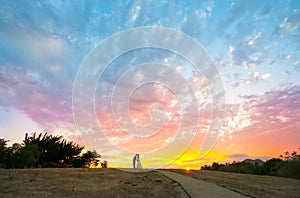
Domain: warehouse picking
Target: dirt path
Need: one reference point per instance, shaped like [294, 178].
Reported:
[199, 188]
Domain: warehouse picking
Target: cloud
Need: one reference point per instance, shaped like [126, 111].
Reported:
[260, 121]
[277, 103]
[272, 119]
[291, 22]
[238, 155]
[34, 96]
[254, 77]
[265, 76]
[253, 40]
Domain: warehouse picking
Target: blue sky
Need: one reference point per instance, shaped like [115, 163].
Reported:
[255, 46]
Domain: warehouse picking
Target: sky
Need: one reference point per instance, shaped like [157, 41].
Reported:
[153, 100]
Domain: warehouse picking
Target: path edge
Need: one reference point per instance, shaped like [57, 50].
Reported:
[161, 173]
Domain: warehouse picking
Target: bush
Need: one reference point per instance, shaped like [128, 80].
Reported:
[289, 168]
[51, 165]
[271, 166]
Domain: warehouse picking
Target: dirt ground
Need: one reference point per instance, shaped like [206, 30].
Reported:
[249, 185]
[116, 183]
[85, 183]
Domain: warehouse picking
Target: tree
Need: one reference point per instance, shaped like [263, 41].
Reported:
[13, 156]
[287, 155]
[216, 166]
[53, 150]
[44, 150]
[29, 155]
[205, 167]
[289, 168]
[3, 151]
[271, 166]
[84, 160]
[294, 156]
[244, 167]
[68, 152]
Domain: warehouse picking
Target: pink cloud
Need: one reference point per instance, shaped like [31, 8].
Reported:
[271, 127]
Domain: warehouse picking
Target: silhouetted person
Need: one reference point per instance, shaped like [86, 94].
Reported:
[134, 160]
[139, 164]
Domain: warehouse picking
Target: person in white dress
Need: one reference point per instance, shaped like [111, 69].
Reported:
[139, 164]
[136, 162]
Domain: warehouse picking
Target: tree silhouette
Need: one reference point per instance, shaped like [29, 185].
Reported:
[287, 165]
[44, 150]
[29, 155]
[54, 150]
[3, 151]
[13, 156]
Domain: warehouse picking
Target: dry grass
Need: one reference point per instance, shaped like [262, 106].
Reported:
[250, 185]
[117, 183]
[85, 183]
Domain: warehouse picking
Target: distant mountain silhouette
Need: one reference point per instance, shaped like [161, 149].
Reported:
[259, 162]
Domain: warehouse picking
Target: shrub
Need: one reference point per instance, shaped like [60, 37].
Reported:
[289, 168]
[51, 165]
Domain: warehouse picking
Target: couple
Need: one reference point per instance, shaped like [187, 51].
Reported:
[136, 162]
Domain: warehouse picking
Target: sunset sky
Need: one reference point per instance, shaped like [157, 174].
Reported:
[254, 45]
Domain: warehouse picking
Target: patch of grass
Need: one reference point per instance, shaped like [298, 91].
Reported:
[72, 182]
[250, 185]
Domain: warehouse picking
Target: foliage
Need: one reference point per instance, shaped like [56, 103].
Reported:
[87, 159]
[3, 151]
[271, 166]
[53, 149]
[29, 156]
[288, 165]
[44, 150]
